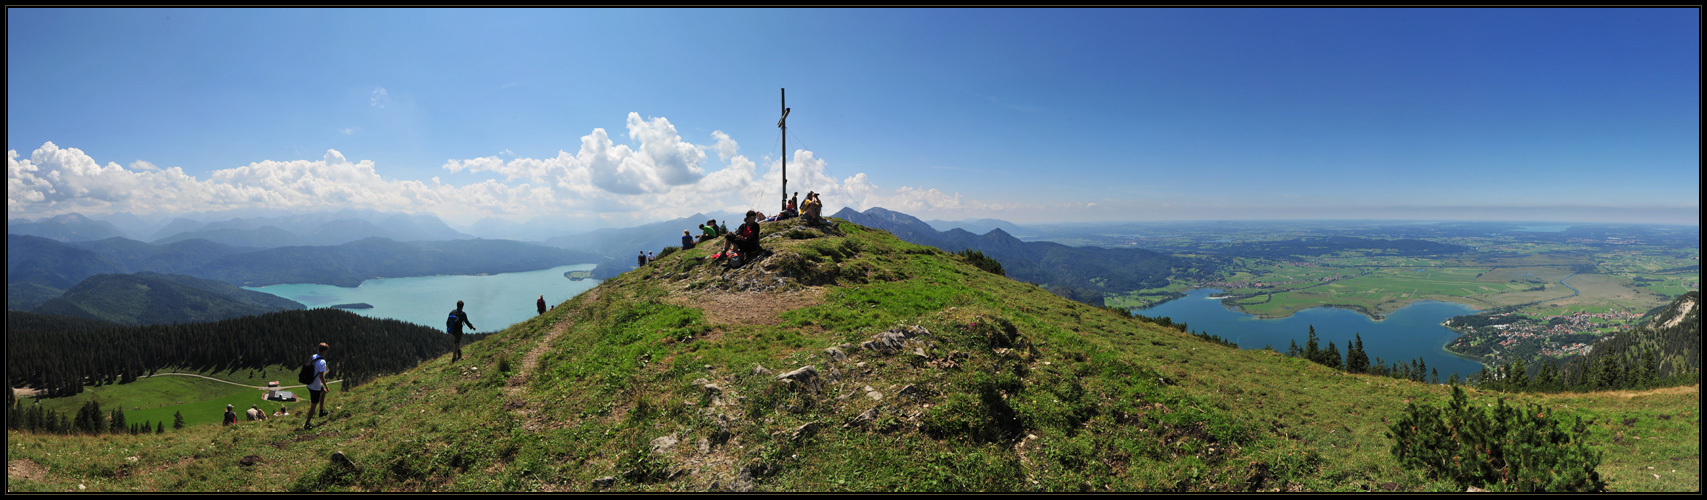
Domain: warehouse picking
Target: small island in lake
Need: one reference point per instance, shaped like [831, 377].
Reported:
[358, 305]
[578, 275]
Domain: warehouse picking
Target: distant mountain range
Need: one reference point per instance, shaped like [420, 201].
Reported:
[1080, 273]
[156, 299]
[979, 226]
[39, 269]
[628, 241]
[315, 229]
[68, 227]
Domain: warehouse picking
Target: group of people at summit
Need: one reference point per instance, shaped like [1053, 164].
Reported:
[742, 244]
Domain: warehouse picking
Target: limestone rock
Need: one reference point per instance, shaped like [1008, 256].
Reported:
[835, 354]
[885, 343]
[804, 431]
[604, 482]
[862, 418]
[891, 340]
[760, 370]
[248, 460]
[806, 376]
[663, 443]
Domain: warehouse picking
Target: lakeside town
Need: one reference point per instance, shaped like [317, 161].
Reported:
[1556, 335]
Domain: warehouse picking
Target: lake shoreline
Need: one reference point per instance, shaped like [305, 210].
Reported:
[1401, 334]
[494, 301]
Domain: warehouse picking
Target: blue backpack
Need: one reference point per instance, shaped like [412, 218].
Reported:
[454, 323]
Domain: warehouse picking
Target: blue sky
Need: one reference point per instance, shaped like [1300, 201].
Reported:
[1030, 115]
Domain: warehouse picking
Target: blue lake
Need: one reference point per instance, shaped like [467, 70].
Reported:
[1404, 335]
[492, 302]
[1553, 228]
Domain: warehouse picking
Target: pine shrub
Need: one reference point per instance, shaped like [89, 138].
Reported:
[1503, 447]
[978, 259]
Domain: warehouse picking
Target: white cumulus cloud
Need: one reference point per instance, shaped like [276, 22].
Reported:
[662, 175]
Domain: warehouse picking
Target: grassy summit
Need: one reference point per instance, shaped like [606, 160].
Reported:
[926, 374]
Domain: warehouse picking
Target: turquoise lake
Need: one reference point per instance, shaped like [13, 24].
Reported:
[493, 302]
[1405, 335]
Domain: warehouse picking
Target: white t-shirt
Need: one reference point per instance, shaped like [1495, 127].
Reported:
[319, 369]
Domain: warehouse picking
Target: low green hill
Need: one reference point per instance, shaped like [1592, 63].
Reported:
[846, 360]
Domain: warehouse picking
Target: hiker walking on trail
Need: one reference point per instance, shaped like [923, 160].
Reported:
[457, 319]
[541, 304]
[317, 388]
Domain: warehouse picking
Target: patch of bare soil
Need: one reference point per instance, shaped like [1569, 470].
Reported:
[25, 468]
[749, 308]
[23, 392]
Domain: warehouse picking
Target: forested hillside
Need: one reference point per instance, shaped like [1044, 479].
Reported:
[60, 362]
[153, 299]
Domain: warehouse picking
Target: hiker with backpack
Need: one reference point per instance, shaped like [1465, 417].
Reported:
[316, 387]
[454, 323]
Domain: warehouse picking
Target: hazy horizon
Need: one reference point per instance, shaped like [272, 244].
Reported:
[622, 117]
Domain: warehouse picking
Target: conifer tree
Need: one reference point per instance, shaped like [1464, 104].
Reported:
[1311, 350]
[1331, 357]
[1548, 378]
[160, 428]
[177, 420]
[118, 421]
[1357, 360]
[1650, 367]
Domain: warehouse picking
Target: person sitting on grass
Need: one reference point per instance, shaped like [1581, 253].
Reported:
[708, 231]
[745, 241]
[813, 208]
[687, 240]
[230, 415]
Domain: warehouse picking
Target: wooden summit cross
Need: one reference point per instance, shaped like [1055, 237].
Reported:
[783, 124]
